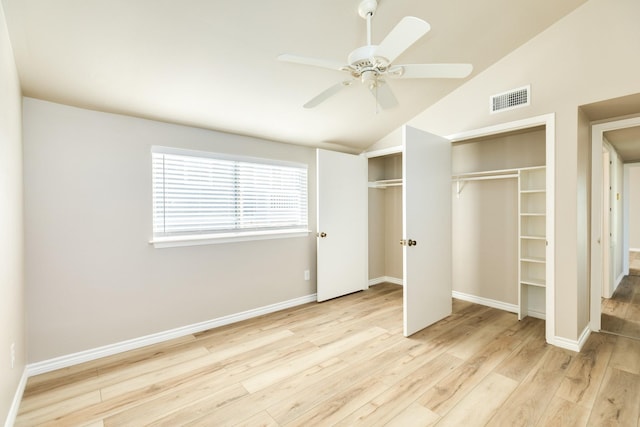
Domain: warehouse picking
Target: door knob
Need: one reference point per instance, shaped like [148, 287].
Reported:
[322, 234]
[412, 242]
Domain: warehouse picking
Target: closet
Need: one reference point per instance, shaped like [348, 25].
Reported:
[498, 209]
[385, 219]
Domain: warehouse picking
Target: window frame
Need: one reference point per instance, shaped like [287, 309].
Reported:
[232, 235]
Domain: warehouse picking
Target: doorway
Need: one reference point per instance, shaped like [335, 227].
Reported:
[615, 292]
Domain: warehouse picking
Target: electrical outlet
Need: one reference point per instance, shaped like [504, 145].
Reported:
[13, 355]
[307, 275]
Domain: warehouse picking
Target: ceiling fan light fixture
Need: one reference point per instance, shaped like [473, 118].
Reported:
[373, 64]
[369, 78]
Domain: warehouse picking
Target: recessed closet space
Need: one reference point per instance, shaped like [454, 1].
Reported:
[498, 221]
[385, 219]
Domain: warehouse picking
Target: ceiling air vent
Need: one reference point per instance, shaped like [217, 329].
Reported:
[511, 99]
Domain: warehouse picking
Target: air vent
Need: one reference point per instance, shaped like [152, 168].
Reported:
[509, 100]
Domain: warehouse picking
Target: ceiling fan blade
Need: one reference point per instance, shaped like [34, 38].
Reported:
[435, 71]
[403, 35]
[384, 95]
[315, 62]
[327, 93]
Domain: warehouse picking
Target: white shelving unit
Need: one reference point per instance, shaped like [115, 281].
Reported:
[533, 242]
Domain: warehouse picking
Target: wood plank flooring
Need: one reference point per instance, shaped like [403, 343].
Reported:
[634, 263]
[345, 362]
[621, 312]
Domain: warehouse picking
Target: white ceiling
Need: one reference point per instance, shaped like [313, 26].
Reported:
[212, 63]
[626, 142]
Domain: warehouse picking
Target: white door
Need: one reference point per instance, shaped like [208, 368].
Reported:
[426, 198]
[342, 232]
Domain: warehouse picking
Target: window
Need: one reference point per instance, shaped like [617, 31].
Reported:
[208, 196]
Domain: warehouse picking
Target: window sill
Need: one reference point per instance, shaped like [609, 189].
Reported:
[212, 239]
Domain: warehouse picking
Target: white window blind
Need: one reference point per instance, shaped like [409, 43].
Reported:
[212, 194]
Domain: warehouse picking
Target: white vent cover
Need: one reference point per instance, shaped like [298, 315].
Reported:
[515, 98]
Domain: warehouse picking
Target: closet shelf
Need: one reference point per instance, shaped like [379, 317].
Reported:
[532, 269]
[532, 282]
[540, 260]
[533, 237]
[460, 179]
[492, 174]
[384, 183]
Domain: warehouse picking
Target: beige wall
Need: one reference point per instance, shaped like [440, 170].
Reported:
[92, 277]
[485, 214]
[568, 65]
[12, 326]
[634, 208]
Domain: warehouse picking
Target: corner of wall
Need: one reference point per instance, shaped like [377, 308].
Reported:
[12, 326]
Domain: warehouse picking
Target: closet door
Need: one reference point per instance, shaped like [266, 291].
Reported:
[426, 198]
[342, 233]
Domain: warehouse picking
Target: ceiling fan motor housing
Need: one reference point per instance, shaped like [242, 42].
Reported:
[363, 60]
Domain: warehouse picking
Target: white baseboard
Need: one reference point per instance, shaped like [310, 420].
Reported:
[513, 308]
[17, 398]
[537, 314]
[132, 344]
[385, 279]
[571, 344]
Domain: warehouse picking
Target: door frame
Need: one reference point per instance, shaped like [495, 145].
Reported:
[597, 137]
[549, 121]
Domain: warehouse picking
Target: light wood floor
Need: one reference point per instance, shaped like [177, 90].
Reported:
[621, 312]
[344, 362]
[634, 263]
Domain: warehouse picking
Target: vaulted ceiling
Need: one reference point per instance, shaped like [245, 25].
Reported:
[212, 63]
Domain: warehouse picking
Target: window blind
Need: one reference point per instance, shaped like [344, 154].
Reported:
[214, 194]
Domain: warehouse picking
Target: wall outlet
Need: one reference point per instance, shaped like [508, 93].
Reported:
[13, 355]
[307, 275]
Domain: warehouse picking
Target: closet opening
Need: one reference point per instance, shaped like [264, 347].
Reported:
[385, 219]
[499, 221]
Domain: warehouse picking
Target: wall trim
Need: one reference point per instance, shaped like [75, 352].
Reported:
[385, 279]
[597, 135]
[573, 345]
[132, 344]
[513, 308]
[17, 398]
[537, 314]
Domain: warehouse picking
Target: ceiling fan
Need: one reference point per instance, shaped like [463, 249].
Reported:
[373, 64]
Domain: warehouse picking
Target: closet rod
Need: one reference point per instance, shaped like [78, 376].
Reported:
[479, 178]
[462, 180]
